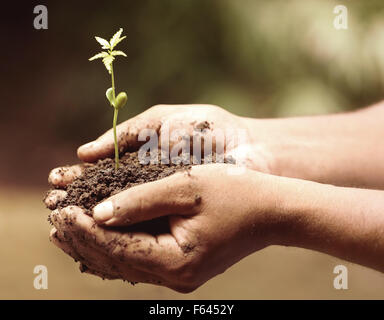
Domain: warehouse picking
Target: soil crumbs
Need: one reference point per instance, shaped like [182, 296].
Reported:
[100, 180]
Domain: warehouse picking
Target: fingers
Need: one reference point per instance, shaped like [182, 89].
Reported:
[131, 256]
[175, 194]
[60, 177]
[54, 197]
[63, 245]
[87, 257]
[127, 133]
[141, 250]
[186, 118]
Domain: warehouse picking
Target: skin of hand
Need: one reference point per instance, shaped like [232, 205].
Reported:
[184, 117]
[190, 120]
[342, 149]
[164, 119]
[215, 219]
[213, 224]
[317, 212]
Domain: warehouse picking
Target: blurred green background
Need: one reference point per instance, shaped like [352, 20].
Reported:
[254, 58]
[267, 58]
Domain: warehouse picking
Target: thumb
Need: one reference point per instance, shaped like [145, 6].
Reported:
[127, 136]
[175, 194]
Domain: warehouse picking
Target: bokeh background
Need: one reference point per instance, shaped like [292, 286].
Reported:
[267, 58]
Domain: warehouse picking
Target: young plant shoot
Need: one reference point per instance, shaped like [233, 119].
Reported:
[117, 102]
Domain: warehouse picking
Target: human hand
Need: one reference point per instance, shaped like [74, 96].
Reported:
[215, 219]
[189, 118]
[194, 121]
[179, 117]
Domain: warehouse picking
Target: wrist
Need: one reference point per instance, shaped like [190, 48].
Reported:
[304, 212]
[274, 211]
[273, 142]
[289, 208]
[261, 146]
[289, 146]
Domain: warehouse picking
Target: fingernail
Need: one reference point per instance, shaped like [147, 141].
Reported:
[103, 211]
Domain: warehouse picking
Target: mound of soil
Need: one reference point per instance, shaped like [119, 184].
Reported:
[100, 180]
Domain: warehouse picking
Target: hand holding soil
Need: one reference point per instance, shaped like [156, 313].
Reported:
[192, 121]
[212, 224]
[71, 192]
[182, 225]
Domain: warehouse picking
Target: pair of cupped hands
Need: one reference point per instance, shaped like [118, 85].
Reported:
[206, 236]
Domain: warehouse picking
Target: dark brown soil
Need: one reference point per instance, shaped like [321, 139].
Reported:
[100, 180]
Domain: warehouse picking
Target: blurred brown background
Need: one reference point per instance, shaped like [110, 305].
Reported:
[265, 58]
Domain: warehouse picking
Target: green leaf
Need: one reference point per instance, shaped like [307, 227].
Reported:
[108, 62]
[102, 54]
[118, 53]
[121, 100]
[104, 43]
[115, 38]
[118, 40]
[109, 95]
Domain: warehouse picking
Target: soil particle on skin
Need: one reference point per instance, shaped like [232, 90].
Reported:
[187, 248]
[197, 199]
[203, 125]
[83, 268]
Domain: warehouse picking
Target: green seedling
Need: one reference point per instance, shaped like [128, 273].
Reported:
[116, 101]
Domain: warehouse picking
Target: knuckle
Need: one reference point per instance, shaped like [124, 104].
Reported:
[212, 107]
[54, 217]
[139, 203]
[185, 190]
[157, 107]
